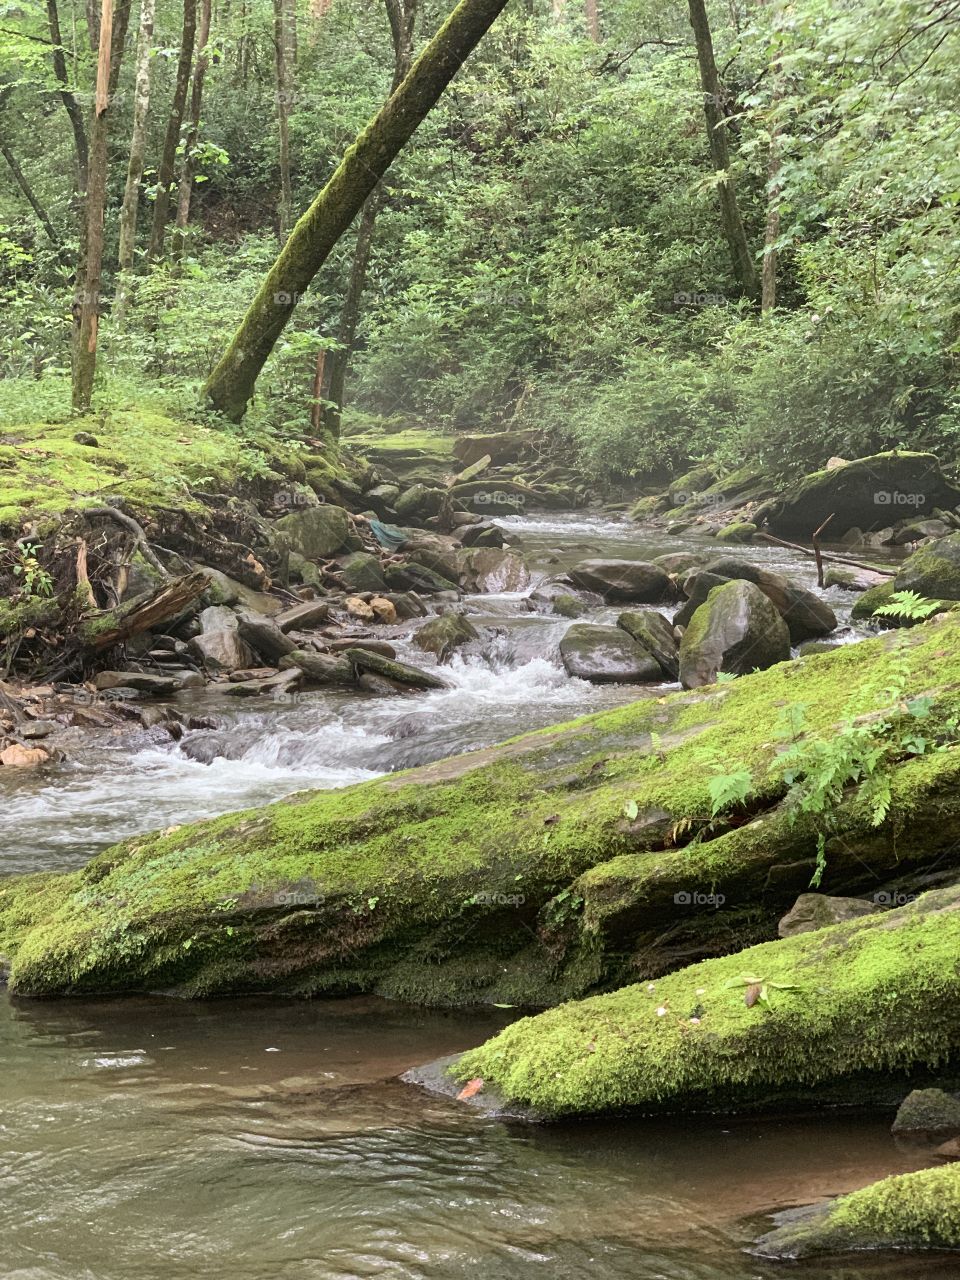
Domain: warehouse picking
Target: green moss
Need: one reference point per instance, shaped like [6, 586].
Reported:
[541, 817]
[906, 1211]
[739, 531]
[879, 994]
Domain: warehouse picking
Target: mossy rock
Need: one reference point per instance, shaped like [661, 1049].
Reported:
[316, 533]
[691, 1041]
[400, 861]
[933, 571]
[738, 531]
[929, 1114]
[908, 1211]
[870, 600]
[443, 634]
[361, 571]
[736, 630]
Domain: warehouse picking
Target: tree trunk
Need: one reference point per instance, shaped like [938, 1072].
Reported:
[592, 17]
[187, 172]
[713, 99]
[171, 139]
[281, 43]
[113, 30]
[26, 189]
[67, 97]
[768, 275]
[138, 139]
[231, 383]
[402, 15]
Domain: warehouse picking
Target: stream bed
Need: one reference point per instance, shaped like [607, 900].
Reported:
[169, 1140]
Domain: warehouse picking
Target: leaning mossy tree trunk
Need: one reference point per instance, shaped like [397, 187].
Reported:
[231, 383]
[713, 98]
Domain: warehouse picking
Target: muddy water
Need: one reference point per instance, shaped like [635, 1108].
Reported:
[121, 782]
[268, 1139]
[164, 1140]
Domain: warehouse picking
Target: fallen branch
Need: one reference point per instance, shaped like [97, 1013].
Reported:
[142, 613]
[816, 547]
[827, 555]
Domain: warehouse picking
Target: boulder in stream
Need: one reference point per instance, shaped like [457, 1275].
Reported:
[655, 633]
[736, 630]
[927, 1115]
[444, 634]
[806, 615]
[933, 571]
[606, 655]
[630, 581]
[319, 532]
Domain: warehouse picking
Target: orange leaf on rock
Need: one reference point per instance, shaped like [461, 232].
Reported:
[469, 1089]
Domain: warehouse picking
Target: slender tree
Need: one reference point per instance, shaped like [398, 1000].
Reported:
[138, 137]
[281, 44]
[402, 16]
[744, 269]
[23, 182]
[231, 384]
[592, 17]
[68, 98]
[113, 30]
[189, 166]
[171, 139]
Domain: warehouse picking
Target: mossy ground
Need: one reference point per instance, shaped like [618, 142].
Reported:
[459, 881]
[907, 1211]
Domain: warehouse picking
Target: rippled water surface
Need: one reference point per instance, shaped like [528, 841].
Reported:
[150, 1139]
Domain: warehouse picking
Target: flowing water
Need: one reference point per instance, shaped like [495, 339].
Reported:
[170, 1140]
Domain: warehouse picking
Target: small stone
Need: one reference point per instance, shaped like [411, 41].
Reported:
[17, 757]
[384, 610]
[359, 609]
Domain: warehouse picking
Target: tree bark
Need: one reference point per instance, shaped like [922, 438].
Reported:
[592, 18]
[138, 138]
[113, 30]
[771, 234]
[67, 97]
[231, 383]
[744, 270]
[168, 156]
[281, 47]
[189, 168]
[402, 15]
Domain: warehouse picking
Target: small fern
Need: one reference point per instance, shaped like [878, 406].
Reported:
[909, 606]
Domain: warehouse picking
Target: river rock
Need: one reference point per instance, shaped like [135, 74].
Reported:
[361, 572]
[696, 587]
[384, 610]
[919, 531]
[933, 571]
[303, 617]
[738, 531]
[736, 630]
[490, 570]
[818, 910]
[321, 668]
[419, 500]
[358, 608]
[481, 534]
[38, 729]
[679, 562]
[263, 634]
[563, 599]
[317, 533]
[443, 634]
[633, 581]
[16, 756]
[655, 633]
[806, 615]
[864, 493]
[139, 681]
[412, 576]
[401, 672]
[853, 579]
[407, 604]
[279, 682]
[222, 650]
[382, 647]
[927, 1115]
[606, 655]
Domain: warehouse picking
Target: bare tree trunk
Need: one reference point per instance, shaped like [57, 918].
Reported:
[402, 15]
[768, 274]
[290, 29]
[188, 171]
[168, 156]
[281, 42]
[592, 16]
[231, 384]
[713, 108]
[138, 140]
[113, 30]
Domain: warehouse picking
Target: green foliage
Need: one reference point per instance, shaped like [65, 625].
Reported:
[909, 605]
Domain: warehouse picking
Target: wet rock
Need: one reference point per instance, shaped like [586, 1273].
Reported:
[655, 633]
[407, 604]
[806, 615]
[136, 682]
[738, 531]
[442, 635]
[384, 611]
[864, 493]
[361, 572]
[489, 570]
[273, 685]
[369, 682]
[303, 617]
[563, 599]
[818, 910]
[933, 571]
[736, 630]
[38, 729]
[400, 672]
[627, 580]
[419, 500]
[263, 635]
[696, 587]
[252, 673]
[679, 562]
[316, 533]
[927, 1115]
[481, 534]
[372, 646]
[16, 756]
[606, 655]
[321, 668]
[412, 576]
[853, 579]
[918, 530]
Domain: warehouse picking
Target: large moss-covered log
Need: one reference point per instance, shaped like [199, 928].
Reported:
[520, 873]
[907, 1211]
[873, 997]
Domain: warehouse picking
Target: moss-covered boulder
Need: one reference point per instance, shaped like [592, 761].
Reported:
[778, 1022]
[361, 571]
[807, 616]
[909, 1211]
[317, 533]
[655, 633]
[738, 531]
[444, 634]
[867, 493]
[736, 630]
[927, 1115]
[933, 571]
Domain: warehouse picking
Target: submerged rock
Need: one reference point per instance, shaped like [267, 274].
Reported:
[606, 655]
[737, 630]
